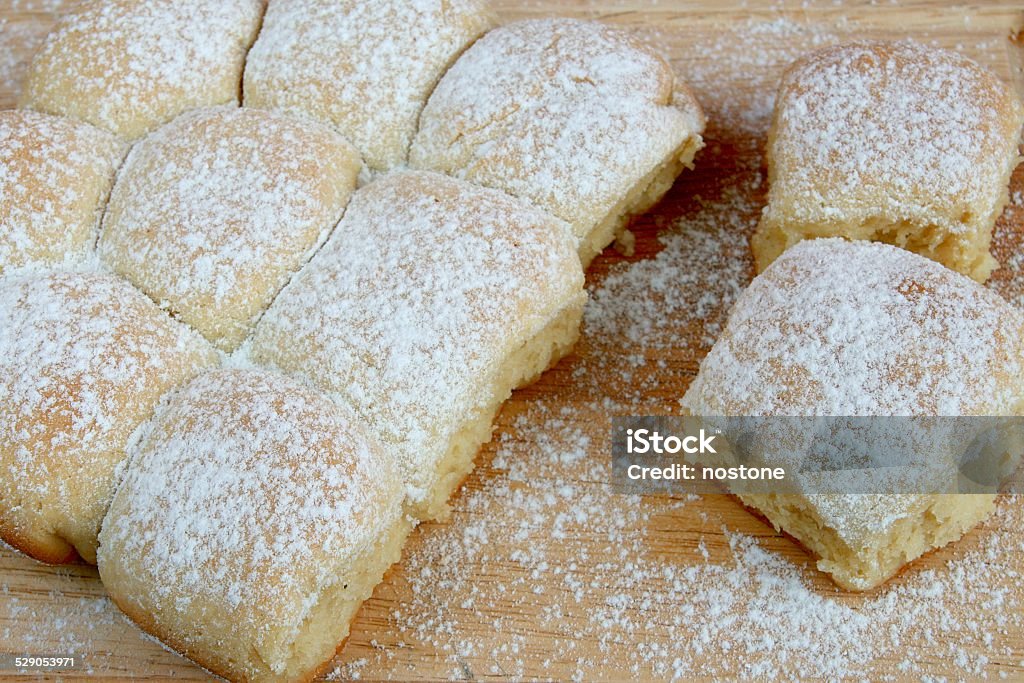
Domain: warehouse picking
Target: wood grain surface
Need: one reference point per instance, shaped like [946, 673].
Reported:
[543, 571]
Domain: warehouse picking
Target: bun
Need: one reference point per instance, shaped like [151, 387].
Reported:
[837, 328]
[254, 519]
[578, 118]
[214, 212]
[55, 175]
[429, 304]
[893, 142]
[84, 359]
[366, 68]
[129, 66]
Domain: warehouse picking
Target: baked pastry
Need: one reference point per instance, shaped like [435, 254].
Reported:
[837, 328]
[55, 175]
[212, 213]
[129, 66]
[431, 301]
[576, 117]
[894, 142]
[254, 519]
[84, 358]
[365, 67]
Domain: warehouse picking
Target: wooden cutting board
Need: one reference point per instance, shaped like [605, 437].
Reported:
[544, 572]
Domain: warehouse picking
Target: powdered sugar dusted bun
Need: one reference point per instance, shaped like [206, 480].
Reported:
[576, 117]
[365, 67]
[254, 519]
[55, 175]
[865, 329]
[84, 358]
[130, 65]
[433, 299]
[213, 212]
[893, 142]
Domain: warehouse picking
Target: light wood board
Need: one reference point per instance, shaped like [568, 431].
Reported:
[501, 604]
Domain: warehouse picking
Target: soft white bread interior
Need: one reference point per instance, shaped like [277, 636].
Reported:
[431, 301]
[84, 359]
[212, 213]
[893, 142]
[366, 68]
[254, 519]
[578, 118]
[838, 328]
[128, 66]
[55, 176]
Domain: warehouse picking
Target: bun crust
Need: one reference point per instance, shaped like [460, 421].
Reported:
[893, 142]
[84, 359]
[254, 519]
[837, 328]
[55, 176]
[429, 304]
[366, 68]
[580, 119]
[129, 66]
[214, 212]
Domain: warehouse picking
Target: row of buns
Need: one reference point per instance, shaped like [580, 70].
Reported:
[245, 349]
[370, 335]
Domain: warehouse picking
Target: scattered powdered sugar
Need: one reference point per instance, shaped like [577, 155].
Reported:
[213, 212]
[621, 589]
[569, 115]
[69, 619]
[703, 265]
[366, 67]
[545, 571]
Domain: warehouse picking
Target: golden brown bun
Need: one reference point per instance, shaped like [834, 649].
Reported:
[84, 359]
[837, 328]
[55, 175]
[431, 301]
[893, 142]
[213, 212]
[365, 67]
[129, 66]
[254, 519]
[576, 117]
